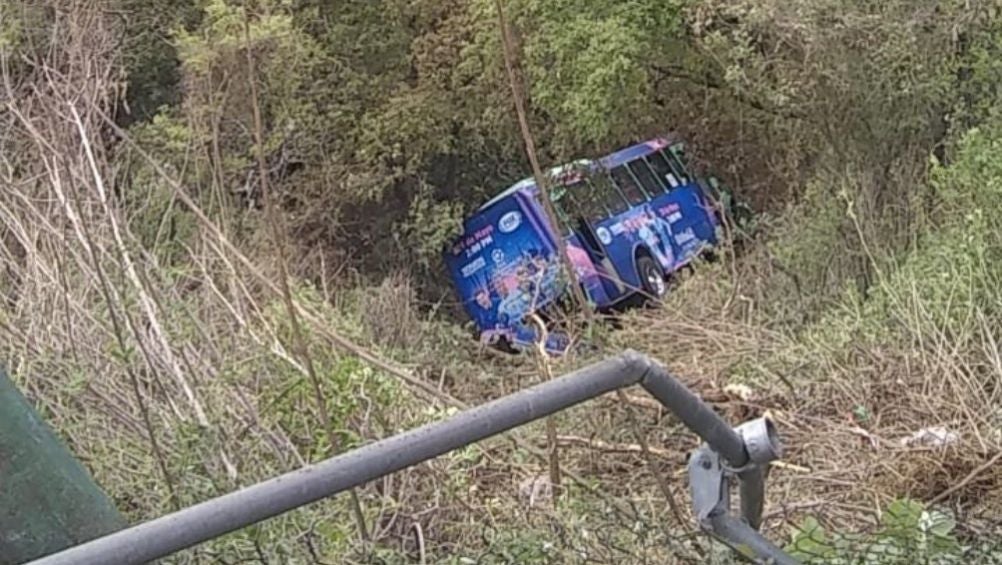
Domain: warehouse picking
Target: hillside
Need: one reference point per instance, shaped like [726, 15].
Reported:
[221, 227]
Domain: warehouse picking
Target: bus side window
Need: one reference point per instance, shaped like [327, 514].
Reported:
[648, 180]
[663, 169]
[605, 194]
[675, 155]
[634, 193]
[581, 204]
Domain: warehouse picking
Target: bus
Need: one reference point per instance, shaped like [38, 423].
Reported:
[629, 220]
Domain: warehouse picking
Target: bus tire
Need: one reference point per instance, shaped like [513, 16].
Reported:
[652, 278]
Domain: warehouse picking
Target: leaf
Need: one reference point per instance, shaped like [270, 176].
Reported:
[810, 541]
[903, 515]
[938, 523]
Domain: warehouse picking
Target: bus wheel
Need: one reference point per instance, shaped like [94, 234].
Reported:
[652, 278]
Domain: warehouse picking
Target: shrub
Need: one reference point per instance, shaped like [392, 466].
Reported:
[908, 533]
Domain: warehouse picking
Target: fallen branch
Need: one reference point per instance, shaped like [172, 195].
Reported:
[653, 404]
[967, 480]
[600, 445]
[642, 402]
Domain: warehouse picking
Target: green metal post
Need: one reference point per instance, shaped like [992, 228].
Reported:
[48, 501]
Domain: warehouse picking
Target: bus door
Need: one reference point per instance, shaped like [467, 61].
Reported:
[649, 230]
[705, 206]
[679, 204]
[587, 214]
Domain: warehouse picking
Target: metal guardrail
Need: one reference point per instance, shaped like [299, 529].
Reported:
[728, 453]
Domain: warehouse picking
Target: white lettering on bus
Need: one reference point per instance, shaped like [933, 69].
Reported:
[510, 221]
[479, 246]
[684, 236]
[471, 268]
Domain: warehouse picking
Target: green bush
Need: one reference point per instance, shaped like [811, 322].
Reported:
[908, 533]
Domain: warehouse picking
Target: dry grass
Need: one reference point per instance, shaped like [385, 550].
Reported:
[844, 411]
[175, 382]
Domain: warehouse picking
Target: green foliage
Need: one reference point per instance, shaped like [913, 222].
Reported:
[285, 59]
[949, 277]
[402, 136]
[908, 533]
[591, 64]
[429, 227]
[227, 29]
[590, 67]
[24, 28]
[350, 388]
[162, 225]
[530, 547]
[973, 178]
[11, 32]
[803, 245]
[980, 71]
[150, 57]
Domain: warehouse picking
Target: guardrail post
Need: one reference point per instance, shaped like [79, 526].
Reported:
[743, 452]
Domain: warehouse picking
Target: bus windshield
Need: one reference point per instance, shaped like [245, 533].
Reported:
[558, 195]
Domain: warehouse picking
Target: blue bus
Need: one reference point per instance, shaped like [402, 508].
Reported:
[629, 220]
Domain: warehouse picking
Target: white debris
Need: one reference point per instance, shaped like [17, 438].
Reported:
[744, 392]
[872, 439]
[936, 436]
[536, 490]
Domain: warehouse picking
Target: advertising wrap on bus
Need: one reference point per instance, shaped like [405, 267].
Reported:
[629, 220]
[506, 266]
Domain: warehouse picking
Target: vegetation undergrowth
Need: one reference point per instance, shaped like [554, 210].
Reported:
[140, 310]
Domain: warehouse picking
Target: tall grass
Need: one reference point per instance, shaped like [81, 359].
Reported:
[153, 333]
[853, 373]
[160, 345]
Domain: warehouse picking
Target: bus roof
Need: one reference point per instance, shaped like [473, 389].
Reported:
[635, 151]
[609, 161]
[529, 183]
